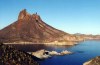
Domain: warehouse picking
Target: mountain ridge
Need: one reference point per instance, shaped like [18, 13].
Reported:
[25, 24]
[31, 28]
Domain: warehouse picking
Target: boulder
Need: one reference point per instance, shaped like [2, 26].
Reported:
[65, 52]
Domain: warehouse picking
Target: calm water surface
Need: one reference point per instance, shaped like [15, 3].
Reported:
[82, 52]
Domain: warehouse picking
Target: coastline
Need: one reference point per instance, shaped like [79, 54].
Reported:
[49, 43]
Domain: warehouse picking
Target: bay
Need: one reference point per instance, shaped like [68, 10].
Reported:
[82, 52]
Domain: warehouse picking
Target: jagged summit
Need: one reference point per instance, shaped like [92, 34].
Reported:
[25, 15]
[30, 28]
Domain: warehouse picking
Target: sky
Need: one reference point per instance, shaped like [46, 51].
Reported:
[71, 16]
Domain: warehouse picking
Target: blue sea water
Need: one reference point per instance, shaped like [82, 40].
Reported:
[82, 52]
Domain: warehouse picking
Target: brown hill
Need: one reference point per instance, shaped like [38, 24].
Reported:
[31, 28]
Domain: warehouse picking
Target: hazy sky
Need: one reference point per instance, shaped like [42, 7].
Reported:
[72, 16]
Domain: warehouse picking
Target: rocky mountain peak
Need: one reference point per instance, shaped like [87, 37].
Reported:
[36, 16]
[23, 14]
[30, 28]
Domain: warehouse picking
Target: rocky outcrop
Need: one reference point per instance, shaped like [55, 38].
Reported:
[11, 56]
[24, 15]
[64, 52]
[43, 54]
[95, 61]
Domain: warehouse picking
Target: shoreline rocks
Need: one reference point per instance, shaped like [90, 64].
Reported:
[94, 61]
[11, 56]
[49, 43]
[43, 54]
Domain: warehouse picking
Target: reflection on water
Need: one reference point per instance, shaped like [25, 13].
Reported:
[82, 52]
[35, 47]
